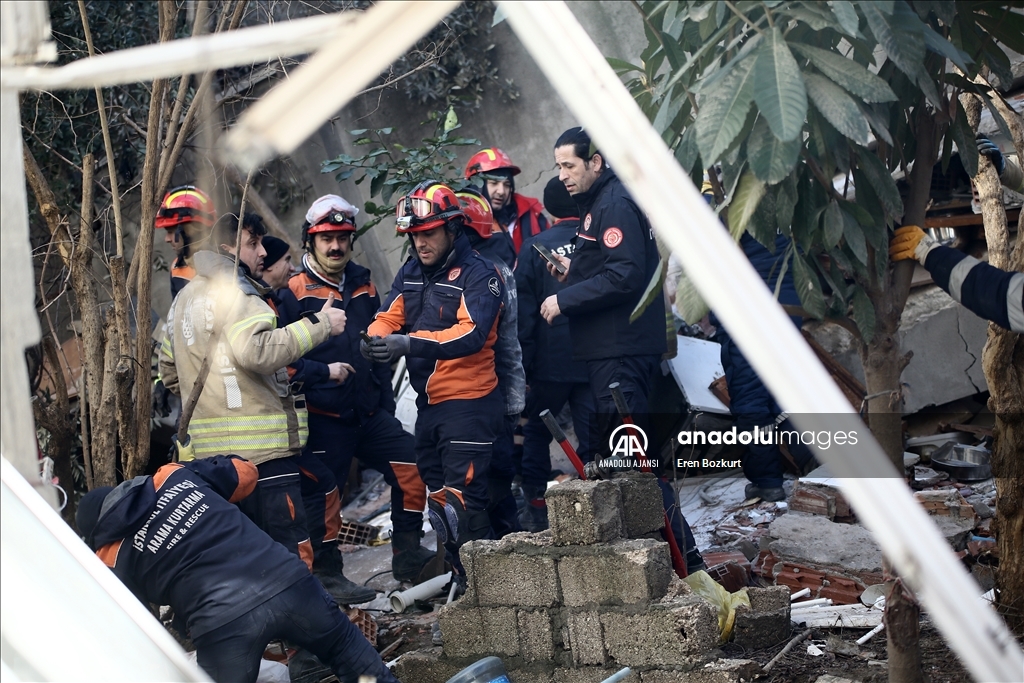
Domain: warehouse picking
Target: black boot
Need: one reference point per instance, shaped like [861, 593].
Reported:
[534, 517]
[328, 569]
[409, 556]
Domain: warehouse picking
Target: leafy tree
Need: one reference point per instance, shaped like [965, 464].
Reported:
[394, 169]
[785, 97]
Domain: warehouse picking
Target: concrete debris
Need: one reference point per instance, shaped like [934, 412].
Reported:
[836, 616]
[816, 540]
[766, 622]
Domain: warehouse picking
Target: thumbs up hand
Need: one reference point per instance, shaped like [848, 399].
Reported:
[335, 316]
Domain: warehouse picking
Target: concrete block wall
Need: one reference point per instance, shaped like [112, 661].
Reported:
[581, 601]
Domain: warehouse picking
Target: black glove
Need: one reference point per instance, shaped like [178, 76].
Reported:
[364, 349]
[389, 348]
[989, 149]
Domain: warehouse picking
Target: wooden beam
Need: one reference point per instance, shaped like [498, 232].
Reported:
[960, 220]
[189, 55]
[314, 92]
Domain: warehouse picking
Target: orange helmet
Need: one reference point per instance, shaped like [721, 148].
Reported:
[488, 160]
[430, 205]
[185, 204]
[478, 212]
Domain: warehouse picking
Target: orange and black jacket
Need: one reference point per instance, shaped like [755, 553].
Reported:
[181, 274]
[369, 389]
[177, 539]
[451, 316]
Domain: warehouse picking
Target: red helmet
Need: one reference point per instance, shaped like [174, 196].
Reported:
[185, 204]
[487, 160]
[430, 205]
[478, 212]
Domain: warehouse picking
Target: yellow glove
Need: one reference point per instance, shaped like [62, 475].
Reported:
[911, 242]
[185, 451]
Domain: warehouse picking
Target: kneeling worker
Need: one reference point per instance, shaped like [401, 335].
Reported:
[176, 539]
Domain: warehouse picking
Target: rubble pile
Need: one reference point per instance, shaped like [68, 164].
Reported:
[592, 595]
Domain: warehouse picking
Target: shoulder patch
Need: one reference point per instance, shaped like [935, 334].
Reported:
[454, 274]
[493, 285]
[586, 222]
[612, 238]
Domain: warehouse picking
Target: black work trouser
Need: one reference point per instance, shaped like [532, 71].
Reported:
[303, 614]
[536, 465]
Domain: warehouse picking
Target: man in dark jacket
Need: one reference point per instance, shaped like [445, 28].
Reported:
[176, 539]
[350, 401]
[442, 314]
[518, 217]
[553, 376]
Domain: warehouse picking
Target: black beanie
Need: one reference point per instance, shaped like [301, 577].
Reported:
[89, 511]
[276, 249]
[557, 200]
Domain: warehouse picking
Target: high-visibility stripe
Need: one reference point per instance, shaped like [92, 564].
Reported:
[242, 325]
[240, 443]
[208, 424]
[1015, 303]
[959, 274]
[302, 335]
[303, 426]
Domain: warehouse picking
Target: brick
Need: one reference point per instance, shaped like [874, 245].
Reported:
[586, 638]
[718, 671]
[536, 638]
[642, 507]
[756, 630]
[507, 578]
[478, 631]
[590, 674]
[667, 634]
[585, 512]
[626, 572]
[425, 666]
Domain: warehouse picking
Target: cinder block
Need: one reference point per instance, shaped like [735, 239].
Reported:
[769, 599]
[626, 572]
[669, 633]
[536, 637]
[586, 638]
[754, 630]
[717, 671]
[501, 577]
[425, 666]
[642, 507]
[523, 676]
[590, 674]
[585, 512]
[478, 631]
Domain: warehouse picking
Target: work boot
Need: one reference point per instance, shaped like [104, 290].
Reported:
[768, 494]
[328, 569]
[409, 557]
[534, 516]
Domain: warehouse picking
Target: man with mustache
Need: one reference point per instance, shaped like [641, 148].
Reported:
[350, 400]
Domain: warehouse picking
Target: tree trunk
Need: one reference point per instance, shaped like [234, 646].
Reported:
[56, 419]
[903, 626]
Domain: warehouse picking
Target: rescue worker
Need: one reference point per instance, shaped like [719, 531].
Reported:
[988, 292]
[442, 314]
[553, 376]
[246, 406]
[493, 245]
[187, 214]
[176, 539]
[350, 401]
[519, 216]
[614, 259]
[277, 265]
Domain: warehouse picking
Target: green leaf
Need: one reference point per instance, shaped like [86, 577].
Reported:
[770, 159]
[362, 141]
[854, 235]
[785, 203]
[762, 226]
[386, 131]
[622, 67]
[899, 33]
[724, 111]
[833, 225]
[667, 112]
[377, 183]
[689, 302]
[357, 131]
[847, 16]
[779, 88]
[686, 152]
[814, 18]
[344, 175]
[881, 180]
[939, 45]
[878, 124]
[963, 136]
[808, 288]
[744, 202]
[838, 108]
[863, 314]
[847, 73]
[651, 292]
[1007, 26]
[451, 120]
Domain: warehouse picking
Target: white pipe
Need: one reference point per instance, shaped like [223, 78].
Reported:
[806, 604]
[402, 600]
[799, 594]
[870, 634]
[730, 285]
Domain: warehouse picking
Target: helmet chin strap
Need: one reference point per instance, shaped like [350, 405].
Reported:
[330, 267]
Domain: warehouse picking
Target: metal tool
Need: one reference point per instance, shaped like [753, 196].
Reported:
[559, 436]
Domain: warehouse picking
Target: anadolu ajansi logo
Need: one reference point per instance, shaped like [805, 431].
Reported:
[628, 447]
